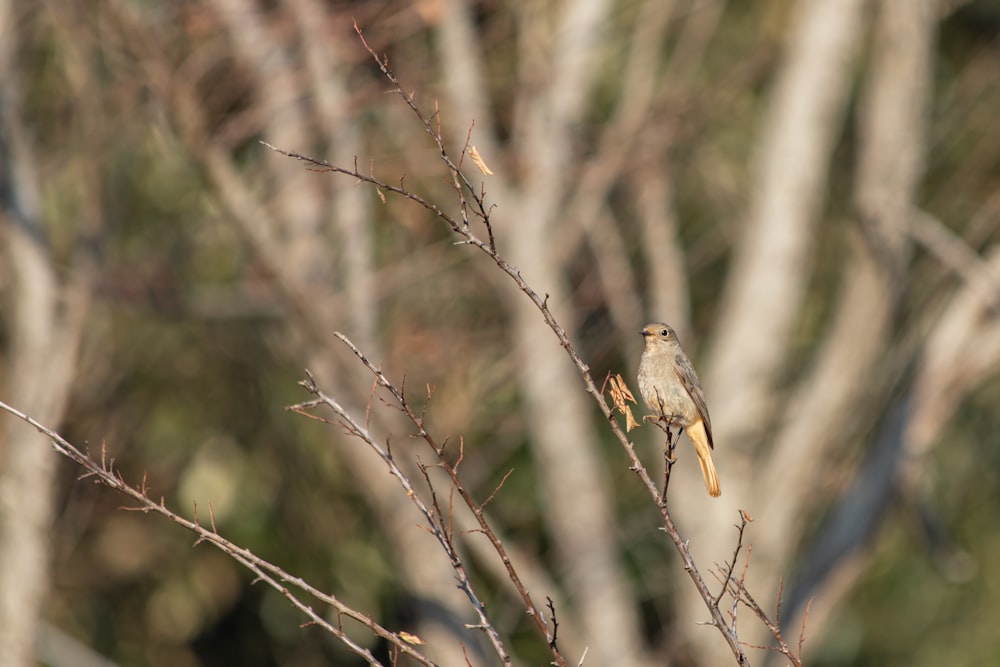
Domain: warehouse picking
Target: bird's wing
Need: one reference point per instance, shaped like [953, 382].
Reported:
[687, 376]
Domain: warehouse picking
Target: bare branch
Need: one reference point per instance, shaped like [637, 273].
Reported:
[476, 509]
[433, 517]
[271, 574]
[954, 253]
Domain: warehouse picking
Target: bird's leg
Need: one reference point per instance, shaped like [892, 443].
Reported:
[661, 418]
[665, 422]
[668, 459]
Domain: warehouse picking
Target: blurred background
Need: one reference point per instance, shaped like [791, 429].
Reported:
[808, 191]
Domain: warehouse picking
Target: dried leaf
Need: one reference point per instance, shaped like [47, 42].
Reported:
[630, 422]
[411, 639]
[624, 389]
[477, 160]
[620, 394]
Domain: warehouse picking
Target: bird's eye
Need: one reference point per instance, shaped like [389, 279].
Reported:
[664, 332]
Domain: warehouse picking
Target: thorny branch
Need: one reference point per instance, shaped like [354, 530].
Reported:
[432, 514]
[669, 448]
[105, 473]
[737, 590]
[478, 510]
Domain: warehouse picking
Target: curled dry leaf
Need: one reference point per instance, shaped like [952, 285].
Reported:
[630, 422]
[623, 388]
[477, 160]
[620, 394]
[411, 639]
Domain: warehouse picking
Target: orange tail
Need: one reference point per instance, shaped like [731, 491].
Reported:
[700, 439]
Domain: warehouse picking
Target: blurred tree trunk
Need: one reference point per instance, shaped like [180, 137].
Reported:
[764, 294]
[892, 131]
[287, 223]
[575, 495]
[770, 266]
[45, 321]
[576, 499]
[794, 448]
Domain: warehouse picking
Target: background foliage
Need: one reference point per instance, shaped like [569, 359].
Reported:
[216, 271]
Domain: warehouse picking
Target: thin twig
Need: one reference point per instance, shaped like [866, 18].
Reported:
[433, 517]
[736, 553]
[267, 572]
[476, 509]
[554, 635]
[781, 646]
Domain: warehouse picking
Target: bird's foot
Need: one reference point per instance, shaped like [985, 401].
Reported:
[663, 418]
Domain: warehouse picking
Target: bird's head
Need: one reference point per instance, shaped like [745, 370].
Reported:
[657, 334]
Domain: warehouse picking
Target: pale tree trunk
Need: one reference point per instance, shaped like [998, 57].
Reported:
[629, 148]
[287, 228]
[576, 501]
[770, 269]
[781, 483]
[764, 293]
[45, 325]
[893, 127]
[575, 496]
[962, 350]
[45, 321]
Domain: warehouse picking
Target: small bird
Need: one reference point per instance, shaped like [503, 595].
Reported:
[670, 388]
